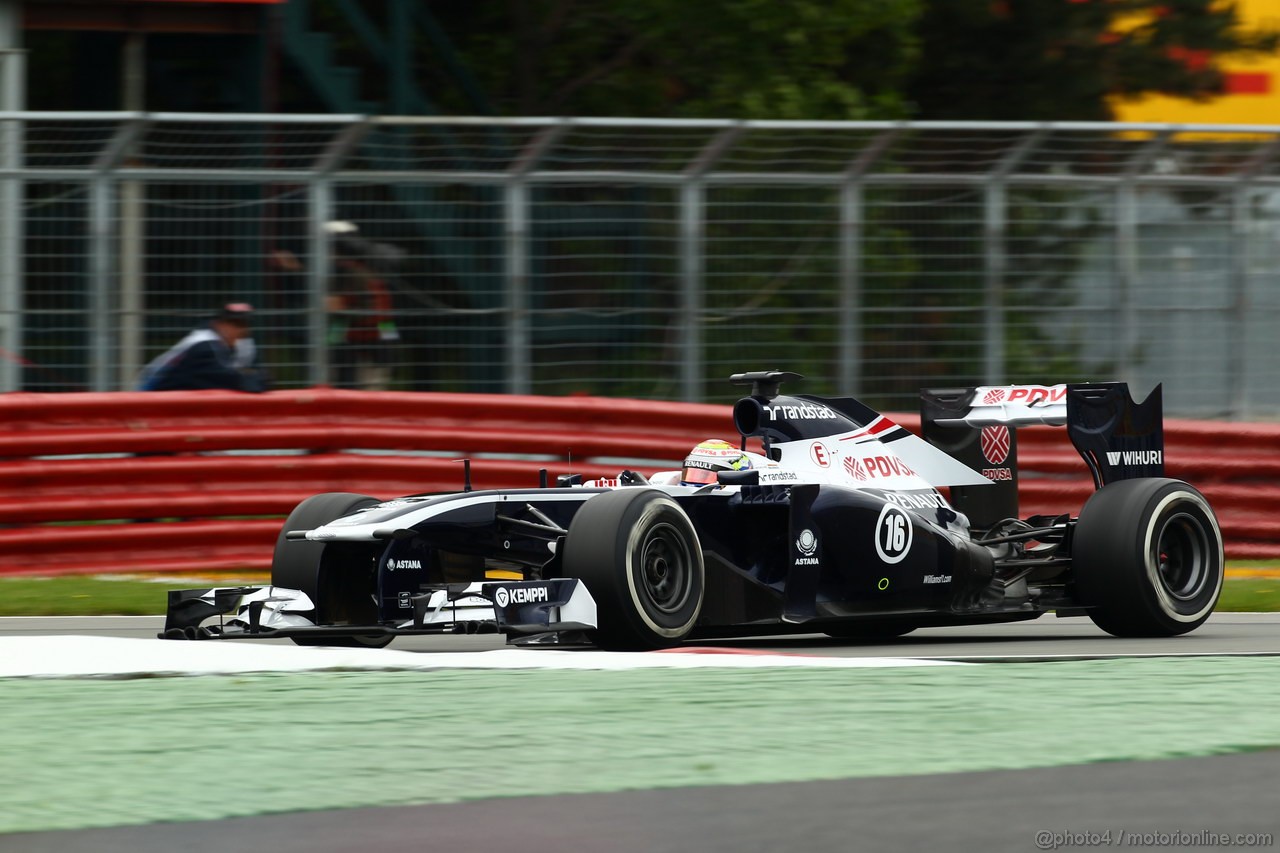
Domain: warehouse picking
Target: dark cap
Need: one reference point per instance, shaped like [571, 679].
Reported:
[235, 312]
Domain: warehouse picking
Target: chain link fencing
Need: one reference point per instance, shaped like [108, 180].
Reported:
[650, 258]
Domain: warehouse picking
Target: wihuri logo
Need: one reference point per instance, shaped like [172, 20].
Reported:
[1135, 457]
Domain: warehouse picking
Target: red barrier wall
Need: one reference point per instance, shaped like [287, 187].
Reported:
[202, 480]
[93, 483]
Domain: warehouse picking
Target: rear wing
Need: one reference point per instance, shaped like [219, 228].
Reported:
[1117, 437]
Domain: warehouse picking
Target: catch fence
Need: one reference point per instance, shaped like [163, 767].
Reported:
[652, 258]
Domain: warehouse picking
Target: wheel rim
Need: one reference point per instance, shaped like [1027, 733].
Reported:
[665, 566]
[1182, 558]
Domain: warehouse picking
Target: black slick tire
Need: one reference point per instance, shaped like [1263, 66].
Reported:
[296, 564]
[1147, 556]
[639, 556]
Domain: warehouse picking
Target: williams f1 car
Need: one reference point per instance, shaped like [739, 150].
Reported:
[838, 526]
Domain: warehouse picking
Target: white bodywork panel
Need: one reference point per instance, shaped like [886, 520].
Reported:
[880, 456]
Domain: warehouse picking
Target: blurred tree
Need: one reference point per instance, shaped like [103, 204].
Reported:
[1061, 59]
[803, 59]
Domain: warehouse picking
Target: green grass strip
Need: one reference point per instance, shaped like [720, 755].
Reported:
[1250, 595]
[83, 753]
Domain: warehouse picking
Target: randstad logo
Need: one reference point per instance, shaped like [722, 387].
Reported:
[806, 412]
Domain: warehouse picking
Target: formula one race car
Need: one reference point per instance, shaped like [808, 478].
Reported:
[837, 527]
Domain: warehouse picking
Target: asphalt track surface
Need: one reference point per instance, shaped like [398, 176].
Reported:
[1046, 637]
[1165, 803]
[1143, 805]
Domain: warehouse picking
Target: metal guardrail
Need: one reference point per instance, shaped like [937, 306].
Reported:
[126, 462]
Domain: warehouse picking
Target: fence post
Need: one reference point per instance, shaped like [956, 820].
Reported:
[13, 86]
[320, 212]
[101, 268]
[1238, 344]
[996, 254]
[852, 217]
[132, 227]
[994, 250]
[692, 246]
[131, 233]
[1128, 335]
[849, 349]
[11, 254]
[693, 232]
[1125, 335]
[516, 256]
[516, 221]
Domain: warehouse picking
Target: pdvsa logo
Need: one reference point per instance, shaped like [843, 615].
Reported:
[881, 467]
[1026, 395]
[995, 444]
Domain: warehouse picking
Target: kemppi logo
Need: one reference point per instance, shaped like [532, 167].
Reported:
[521, 595]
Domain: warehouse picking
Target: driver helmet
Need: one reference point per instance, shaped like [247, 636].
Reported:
[705, 462]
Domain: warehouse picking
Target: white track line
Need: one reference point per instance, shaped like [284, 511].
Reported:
[119, 657]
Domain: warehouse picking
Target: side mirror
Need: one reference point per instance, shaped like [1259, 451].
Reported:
[750, 477]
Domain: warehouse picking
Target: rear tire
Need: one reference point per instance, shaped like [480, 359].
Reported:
[1147, 557]
[639, 556]
[296, 564]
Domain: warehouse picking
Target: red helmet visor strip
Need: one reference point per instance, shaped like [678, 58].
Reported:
[698, 476]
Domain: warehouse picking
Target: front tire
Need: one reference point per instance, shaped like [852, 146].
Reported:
[639, 556]
[296, 564]
[1147, 557]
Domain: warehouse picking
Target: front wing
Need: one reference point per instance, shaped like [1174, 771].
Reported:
[517, 608]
